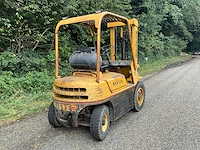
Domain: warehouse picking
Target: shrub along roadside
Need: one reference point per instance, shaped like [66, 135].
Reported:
[32, 82]
[21, 104]
[24, 73]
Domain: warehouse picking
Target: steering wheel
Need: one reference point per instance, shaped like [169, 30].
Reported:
[105, 50]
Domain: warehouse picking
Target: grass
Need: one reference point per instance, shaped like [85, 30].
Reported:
[17, 107]
[153, 66]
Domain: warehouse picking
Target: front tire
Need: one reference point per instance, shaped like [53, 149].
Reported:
[52, 117]
[139, 96]
[100, 122]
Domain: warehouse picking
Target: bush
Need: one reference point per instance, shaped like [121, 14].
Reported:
[7, 84]
[25, 73]
[31, 82]
[173, 46]
[20, 64]
[34, 82]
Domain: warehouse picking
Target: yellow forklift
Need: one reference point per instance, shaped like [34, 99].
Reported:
[104, 83]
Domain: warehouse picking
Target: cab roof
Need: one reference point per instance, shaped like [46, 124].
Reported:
[93, 19]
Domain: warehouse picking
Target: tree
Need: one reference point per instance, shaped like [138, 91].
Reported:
[164, 28]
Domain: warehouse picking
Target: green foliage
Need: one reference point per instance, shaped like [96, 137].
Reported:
[6, 84]
[24, 74]
[173, 46]
[20, 64]
[167, 27]
[31, 82]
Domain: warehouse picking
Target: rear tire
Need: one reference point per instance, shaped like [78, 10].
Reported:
[139, 96]
[100, 122]
[52, 117]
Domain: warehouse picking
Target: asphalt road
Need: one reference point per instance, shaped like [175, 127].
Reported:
[169, 120]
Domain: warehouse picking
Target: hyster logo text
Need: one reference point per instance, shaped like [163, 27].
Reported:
[117, 82]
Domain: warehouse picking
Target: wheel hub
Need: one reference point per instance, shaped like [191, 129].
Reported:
[140, 96]
[104, 123]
